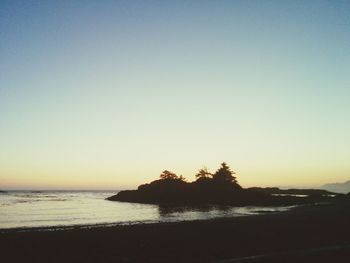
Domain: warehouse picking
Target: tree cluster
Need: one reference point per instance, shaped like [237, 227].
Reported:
[223, 175]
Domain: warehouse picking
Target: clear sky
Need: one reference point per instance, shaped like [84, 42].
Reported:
[107, 94]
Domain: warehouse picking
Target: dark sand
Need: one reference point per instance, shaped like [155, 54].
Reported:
[305, 234]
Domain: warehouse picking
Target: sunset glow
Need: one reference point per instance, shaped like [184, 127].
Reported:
[106, 96]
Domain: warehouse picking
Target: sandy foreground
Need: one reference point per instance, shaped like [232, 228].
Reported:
[306, 234]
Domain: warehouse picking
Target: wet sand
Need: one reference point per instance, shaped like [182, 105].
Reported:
[304, 234]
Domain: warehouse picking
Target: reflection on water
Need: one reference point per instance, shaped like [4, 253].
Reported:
[166, 211]
[169, 213]
[42, 209]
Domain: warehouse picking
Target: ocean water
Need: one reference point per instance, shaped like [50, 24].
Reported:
[89, 208]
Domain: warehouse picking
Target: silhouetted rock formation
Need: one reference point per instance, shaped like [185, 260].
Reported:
[218, 188]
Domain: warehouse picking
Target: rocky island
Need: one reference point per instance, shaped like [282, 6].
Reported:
[219, 188]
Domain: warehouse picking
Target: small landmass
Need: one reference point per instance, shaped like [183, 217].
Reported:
[221, 188]
[338, 187]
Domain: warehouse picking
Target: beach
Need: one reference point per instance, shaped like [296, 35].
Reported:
[308, 233]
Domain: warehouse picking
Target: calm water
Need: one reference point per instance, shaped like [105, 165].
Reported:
[48, 208]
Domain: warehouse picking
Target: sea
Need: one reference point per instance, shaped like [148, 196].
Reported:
[55, 209]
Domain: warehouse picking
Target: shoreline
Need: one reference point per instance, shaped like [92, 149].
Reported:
[215, 240]
[146, 222]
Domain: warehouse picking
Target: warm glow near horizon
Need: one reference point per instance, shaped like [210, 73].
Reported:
[107, 95]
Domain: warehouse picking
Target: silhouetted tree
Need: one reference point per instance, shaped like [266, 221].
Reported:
[203, 173]
[168, 175]
[182, 178]
[224, 174]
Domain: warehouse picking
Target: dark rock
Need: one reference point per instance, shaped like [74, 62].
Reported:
[208, 191]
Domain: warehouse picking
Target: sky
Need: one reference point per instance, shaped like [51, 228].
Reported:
[107, 94]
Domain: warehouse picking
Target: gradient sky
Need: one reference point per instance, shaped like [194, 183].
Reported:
[107, 94]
